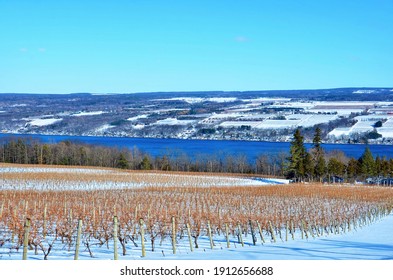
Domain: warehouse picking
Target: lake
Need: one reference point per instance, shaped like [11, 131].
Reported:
[193, 148]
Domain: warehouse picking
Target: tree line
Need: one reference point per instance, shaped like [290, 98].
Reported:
[299, 164]
[316, 165]
[31, 151]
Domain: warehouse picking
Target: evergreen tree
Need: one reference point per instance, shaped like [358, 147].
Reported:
[145, 164]
[378, 166]
[367, 163]
[352, 168]
[309, 166]
[296, 168]
[385, 167]
[317, 140]
[122, 162]
[319, 155]
[335, 167]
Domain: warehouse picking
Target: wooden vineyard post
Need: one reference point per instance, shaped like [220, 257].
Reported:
[272, 232]
[240, 234]
[44, 223]
[254, 239]
[293, 230]
[142, 229]
[78, 239]
[189, 237]
[286, 231]
[209, 231]
[115, 227]
[227, 234]
[1, 209]
[94, 214]
[304, 228]
[260, 232]
[173, 235]
[26, 238]
[310, 229]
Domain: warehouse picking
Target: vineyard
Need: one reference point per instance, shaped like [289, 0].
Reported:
[91, 213]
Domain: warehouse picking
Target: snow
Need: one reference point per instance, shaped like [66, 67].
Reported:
[340, 131]
[44, 122]
[213, 118]
[252, 124]
[174, 121]
[160, 111]
[137, 118]
[190, 100]
[292, 120]
[138, 126]
[193, 100]
[387, 128]
[364, 91]
[222, 99]
[360, 244]
[256, 116]
[81, 114]
[294, 104]
[123, 179]
[104, 128]
[278, 124]
[371, 242]
[386, 132]
[364, 124]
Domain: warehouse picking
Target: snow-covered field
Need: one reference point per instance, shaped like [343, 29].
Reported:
[82, 114]
[44, 122]
[62, 178]
[369, 239]
[174, 121]
[371, 242]
[366, 124]
[192, 100]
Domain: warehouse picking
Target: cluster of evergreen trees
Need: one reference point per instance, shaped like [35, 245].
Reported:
[314, 165]
[299, 164]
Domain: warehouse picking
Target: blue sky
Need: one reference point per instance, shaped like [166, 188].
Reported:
[122, 46]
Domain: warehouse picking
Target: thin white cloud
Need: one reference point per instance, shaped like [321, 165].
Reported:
[41, 49]
[23, 50]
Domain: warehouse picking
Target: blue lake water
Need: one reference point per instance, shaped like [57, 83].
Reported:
[193, 148]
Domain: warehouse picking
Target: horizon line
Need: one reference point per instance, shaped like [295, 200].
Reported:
[197, 91]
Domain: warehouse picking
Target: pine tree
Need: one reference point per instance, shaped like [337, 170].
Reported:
[309, 166]
[317, 140]
[319, 158]
[378, 166]
[296, 168]
[122, 162]
[367, 163]
[352, 168]
[335, 167]
[145, 164]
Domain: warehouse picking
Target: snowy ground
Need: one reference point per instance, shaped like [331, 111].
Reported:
[12, 177]
[372, 242]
